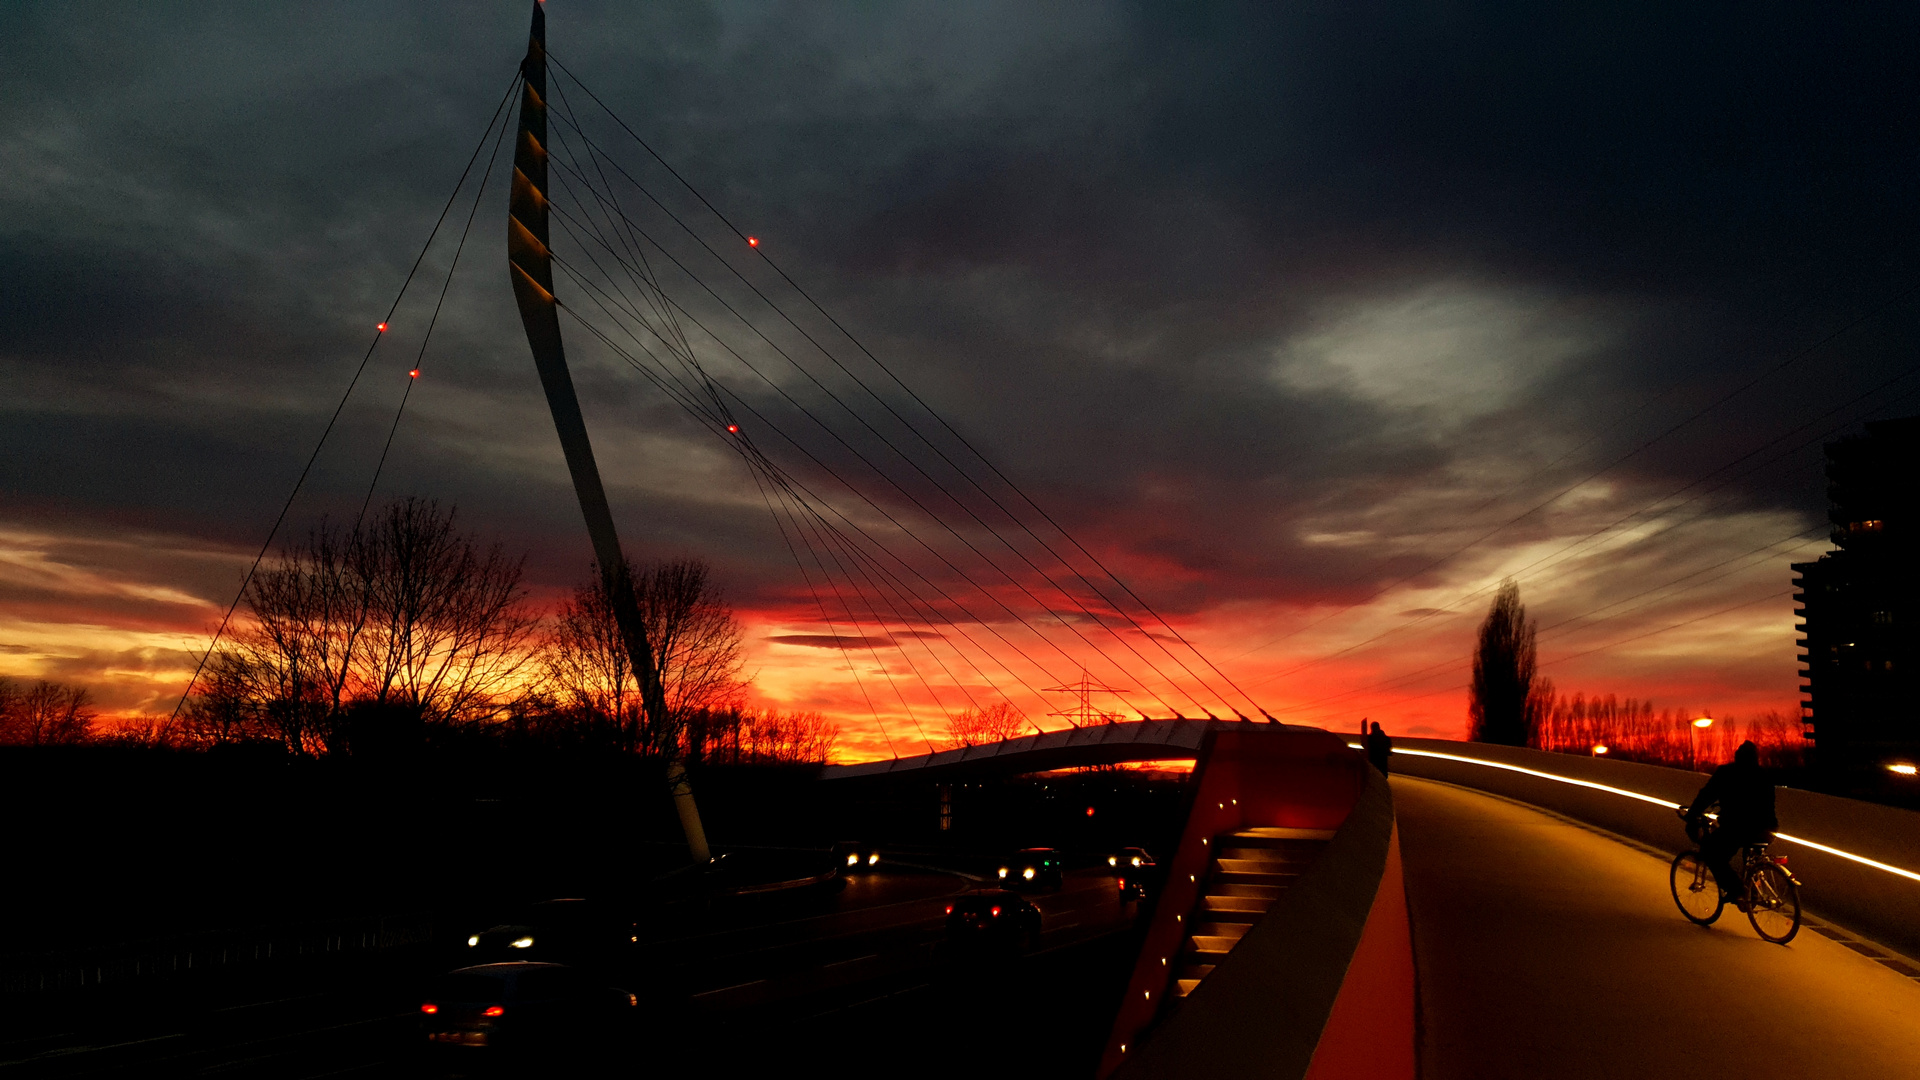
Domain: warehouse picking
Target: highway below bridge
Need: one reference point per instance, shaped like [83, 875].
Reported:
[1542, 946]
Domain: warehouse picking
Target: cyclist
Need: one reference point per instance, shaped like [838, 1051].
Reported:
[1744, 793]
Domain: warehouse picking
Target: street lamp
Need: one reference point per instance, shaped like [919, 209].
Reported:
[1701, 724]
[1599, 749]
[1903, 768]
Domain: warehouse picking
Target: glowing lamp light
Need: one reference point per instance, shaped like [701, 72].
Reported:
[1704, 722]
[753, 241]
[414, 374]
[1903, 769]
[1136, 860]
[1113, 860]
[473, 941]
[523, 943]
[1003, 871]
[733, 429]
[1027, 873]
[382, 328]
[1089, 811]
[1600, 750]
[996, 911]
[853, 860]
[429, 1008]
[494, 1010]
[873, 859]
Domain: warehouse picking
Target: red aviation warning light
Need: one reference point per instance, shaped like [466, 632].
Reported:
[753, 241]
[414, 374]
[733, 429]
[382, 328]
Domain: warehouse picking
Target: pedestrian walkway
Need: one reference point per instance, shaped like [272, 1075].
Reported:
[1545, 949]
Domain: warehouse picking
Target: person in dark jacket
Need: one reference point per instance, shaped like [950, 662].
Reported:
[1379, 749]
[1744, 793]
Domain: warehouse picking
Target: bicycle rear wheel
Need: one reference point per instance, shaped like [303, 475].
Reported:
[1695, 891]
[1774, 904]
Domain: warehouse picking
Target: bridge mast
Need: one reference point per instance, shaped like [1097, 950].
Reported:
[530, 264]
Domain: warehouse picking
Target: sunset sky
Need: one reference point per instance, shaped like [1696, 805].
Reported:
[1312, 323]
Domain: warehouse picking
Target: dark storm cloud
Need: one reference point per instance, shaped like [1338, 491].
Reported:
[1162, 261]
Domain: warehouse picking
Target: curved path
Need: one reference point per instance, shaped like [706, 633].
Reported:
[1546, 949]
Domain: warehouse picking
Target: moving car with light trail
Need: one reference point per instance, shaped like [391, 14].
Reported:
[568, 931]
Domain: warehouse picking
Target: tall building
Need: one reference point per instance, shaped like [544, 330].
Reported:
[1862, 658]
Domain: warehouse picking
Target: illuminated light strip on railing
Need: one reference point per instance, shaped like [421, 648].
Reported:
[1848, 855]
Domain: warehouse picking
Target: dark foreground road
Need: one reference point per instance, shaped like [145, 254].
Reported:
[868, 983]
[1547, 950]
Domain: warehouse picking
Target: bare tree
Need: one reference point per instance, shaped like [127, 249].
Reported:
[449, 630]
[44, 713]
[1503, 670]
[406, 616]
[742, 737]
[691, 631]
[994, 723]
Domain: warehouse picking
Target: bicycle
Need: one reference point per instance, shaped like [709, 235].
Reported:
[1772, 903]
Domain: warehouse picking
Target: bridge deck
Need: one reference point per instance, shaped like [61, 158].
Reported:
[1545, 949]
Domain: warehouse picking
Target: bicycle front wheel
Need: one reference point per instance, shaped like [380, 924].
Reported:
[1774, 904]
[1694, 889]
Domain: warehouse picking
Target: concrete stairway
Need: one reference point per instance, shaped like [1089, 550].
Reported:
[1249, 871]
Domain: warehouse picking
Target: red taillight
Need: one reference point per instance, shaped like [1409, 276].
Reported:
[494, 1010]
[429, 1008]
[949, 909]
[996, 911]
[1782, 860]
[1123, 883]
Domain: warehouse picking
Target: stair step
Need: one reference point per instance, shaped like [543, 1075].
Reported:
[1250, 906]
[1195, 971]
[1211, 944]
[1234, 930]
[1269, 833]
[1216, 915]
[1250, 879]
[1243, 890]
[1183, 987]
[1252, 866]
[1268, 855]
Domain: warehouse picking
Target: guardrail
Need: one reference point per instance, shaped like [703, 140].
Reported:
[1859, 861]
[202, 954]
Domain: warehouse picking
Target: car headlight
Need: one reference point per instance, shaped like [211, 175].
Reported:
[873, 858]
[1136, 860]
[473, 940]
[1027, 873]
[853, 860]
[1113, 860]
[523, 943]
[1003, 871]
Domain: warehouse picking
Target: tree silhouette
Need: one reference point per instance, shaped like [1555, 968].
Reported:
[44, 713]
[1501, 695]
[696, 649]
[995, 723]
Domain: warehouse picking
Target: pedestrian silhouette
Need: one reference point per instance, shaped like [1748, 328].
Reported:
[1379, 749]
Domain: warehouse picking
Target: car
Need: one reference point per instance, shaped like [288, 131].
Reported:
[570, 931]
[851, 856]
[1036, 867]
[1130, 858]
[992, 917]
[524, 1005]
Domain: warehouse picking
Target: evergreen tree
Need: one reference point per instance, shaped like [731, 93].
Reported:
[1503, 667]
